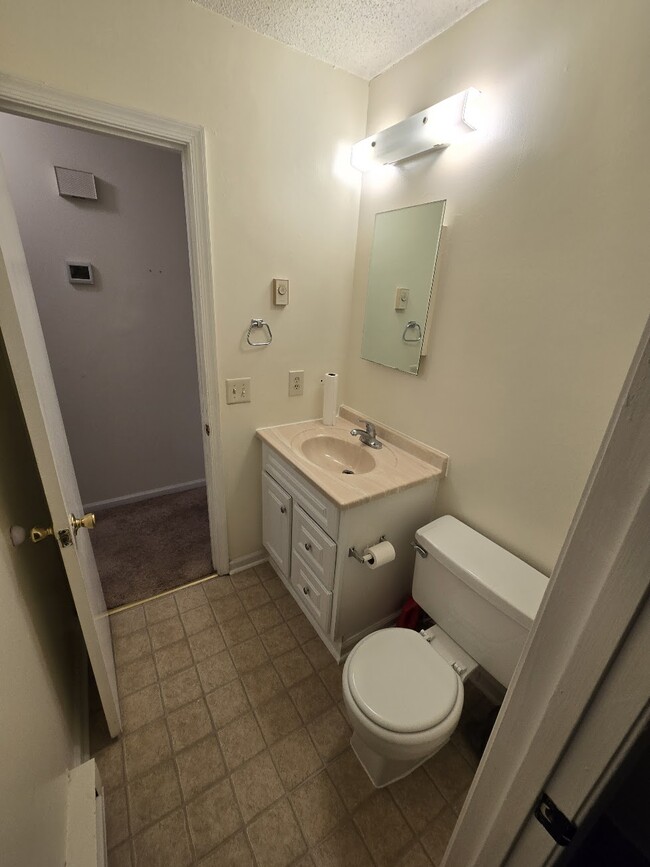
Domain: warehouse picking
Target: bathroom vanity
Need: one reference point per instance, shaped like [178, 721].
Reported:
[324, 494]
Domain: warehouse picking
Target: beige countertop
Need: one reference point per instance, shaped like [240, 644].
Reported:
[400, 464]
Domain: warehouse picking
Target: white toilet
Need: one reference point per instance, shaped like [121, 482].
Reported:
[403, 690]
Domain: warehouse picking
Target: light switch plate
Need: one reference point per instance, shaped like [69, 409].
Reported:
[401, 298]
[280, 291]
[238, 390]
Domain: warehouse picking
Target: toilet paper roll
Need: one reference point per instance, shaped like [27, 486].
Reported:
[330, 397]
[379, 555]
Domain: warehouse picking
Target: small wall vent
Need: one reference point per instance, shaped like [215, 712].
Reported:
[80, 185]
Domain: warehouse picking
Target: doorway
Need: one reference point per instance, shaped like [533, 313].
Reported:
[111, 276]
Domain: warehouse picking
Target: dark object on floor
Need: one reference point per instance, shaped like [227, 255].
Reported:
[410, 614]
[155, 545]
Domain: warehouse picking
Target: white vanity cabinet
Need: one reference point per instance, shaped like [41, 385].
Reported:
[308, 539]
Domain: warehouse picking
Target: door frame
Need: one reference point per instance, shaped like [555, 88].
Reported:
[26, 98]
[596, 593]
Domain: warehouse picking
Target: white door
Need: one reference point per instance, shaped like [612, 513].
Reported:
[23, 336]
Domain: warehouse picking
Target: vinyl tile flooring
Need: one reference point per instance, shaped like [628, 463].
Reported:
[236, 750]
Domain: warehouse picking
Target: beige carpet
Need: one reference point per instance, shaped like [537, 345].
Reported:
[155, 545]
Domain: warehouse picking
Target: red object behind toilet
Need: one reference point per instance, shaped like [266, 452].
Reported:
[409, 616]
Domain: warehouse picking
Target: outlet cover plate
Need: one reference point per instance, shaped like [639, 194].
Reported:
[296, 382]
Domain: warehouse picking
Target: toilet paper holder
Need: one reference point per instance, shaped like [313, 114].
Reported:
[352, 552]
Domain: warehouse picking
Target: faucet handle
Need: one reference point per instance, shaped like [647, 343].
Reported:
[370, 427]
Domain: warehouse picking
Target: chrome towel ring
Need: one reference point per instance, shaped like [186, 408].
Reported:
[409, 326]
[259, 323]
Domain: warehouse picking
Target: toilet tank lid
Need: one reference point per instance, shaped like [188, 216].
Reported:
[507, 582]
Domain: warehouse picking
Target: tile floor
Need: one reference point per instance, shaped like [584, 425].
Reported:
[236, 748]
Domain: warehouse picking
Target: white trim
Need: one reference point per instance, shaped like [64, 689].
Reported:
[596, 591]
[85, 821]
[144, 495]
[240, 564]
[348, 644]
[20, 96]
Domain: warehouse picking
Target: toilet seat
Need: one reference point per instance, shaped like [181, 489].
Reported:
[400, 683]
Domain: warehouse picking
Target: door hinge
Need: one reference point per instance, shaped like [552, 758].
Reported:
[550, 816]
[65, 538]
[207, 429]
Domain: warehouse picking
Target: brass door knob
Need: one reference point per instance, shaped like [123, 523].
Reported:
[88, 521]
[37, 534]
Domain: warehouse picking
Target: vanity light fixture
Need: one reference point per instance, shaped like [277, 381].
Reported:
[436, 127]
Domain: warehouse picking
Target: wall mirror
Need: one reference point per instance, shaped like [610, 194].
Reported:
[402, 267]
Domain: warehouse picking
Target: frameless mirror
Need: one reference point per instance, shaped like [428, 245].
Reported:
[402, 267]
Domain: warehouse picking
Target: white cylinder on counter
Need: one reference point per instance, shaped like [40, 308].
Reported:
[330, 397]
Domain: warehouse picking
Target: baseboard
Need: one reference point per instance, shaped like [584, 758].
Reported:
[239, 564]
[86, 822]
[349, 643]
[144, 495]
[490, 687]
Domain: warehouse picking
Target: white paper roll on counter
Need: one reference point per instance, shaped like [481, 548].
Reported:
[379, 555]
[330, 397]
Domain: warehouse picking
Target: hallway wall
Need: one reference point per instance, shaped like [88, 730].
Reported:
[122, 350]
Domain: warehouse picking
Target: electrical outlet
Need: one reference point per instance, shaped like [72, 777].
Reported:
[296, 382]
[238, 390]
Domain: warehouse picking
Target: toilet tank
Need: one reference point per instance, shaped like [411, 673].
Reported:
[481, 595]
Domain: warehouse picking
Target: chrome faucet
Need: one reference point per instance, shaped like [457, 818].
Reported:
[368, 436]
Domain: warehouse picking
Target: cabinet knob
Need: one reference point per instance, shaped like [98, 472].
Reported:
[283, 509]
[307, 546]
[305, 590]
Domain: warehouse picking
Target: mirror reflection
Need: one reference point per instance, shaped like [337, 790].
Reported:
[402, 267]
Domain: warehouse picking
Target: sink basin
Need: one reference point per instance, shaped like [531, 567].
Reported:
[337, 455]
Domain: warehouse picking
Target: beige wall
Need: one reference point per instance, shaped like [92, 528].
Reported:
[543, 291]
[36, 663]
[122, 351]
[542, 296]
[275, 122]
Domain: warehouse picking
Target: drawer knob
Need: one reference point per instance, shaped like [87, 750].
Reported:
[305, 590]
[283, 509]
[307, 546]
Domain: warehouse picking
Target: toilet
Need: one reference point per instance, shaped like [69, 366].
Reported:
[403, 690]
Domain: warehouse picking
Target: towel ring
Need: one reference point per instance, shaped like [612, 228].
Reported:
[409, 325]
[259, 323]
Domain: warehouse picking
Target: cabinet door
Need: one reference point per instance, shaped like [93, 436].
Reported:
[276, 523]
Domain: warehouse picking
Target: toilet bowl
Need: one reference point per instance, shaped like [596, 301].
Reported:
[403, 701]
[403, 690]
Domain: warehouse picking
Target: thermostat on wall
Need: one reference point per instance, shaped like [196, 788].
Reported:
[80, 272]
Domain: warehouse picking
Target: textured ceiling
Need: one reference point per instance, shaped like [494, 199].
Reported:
[362, 36]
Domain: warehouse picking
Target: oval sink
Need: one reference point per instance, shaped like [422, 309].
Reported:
[339, 456]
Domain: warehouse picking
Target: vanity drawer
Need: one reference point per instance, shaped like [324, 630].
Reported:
[314, 598]
[314, 546]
